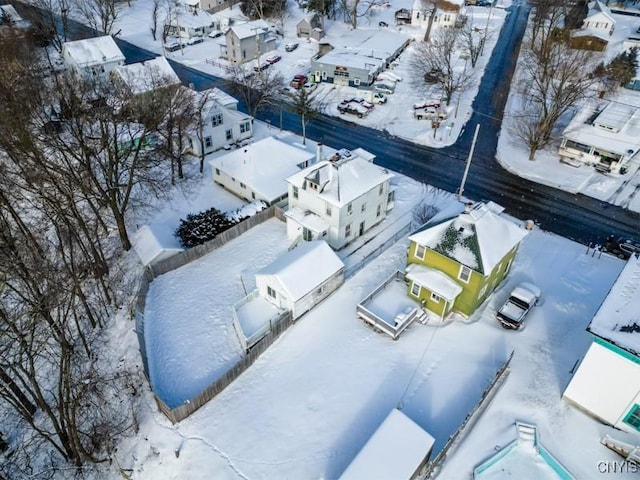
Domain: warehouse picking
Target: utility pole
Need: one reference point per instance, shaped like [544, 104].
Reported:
[486, 28]
[466, 168]
[255, 30]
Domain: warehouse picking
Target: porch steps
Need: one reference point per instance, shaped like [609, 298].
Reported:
[627, 450]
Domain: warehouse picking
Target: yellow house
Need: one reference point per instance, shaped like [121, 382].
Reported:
[455, 263]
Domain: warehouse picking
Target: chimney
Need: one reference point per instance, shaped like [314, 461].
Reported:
[318, 152]
[467, 207]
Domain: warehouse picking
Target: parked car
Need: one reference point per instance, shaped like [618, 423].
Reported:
[383, 88]
[361, 101]
[522, 299]
[628, 247]
[215, 34]
[429, 113]
[379, 98]
[290, 47]
[353, 108]
[263, 66]
[298, 81]
[383, 24]
[389, 76]
[309, 87]
[427, 104]
[195, 40]
[172, 46]
[273, 59]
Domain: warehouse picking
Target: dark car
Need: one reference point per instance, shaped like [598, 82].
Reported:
[383, 24]
[353, 108]
[298, 81]
[263, 66]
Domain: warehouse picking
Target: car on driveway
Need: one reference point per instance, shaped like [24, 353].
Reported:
[353, 108]
[290, 47]
[379, 98]
[383, 24]
[427, 104]
[215, 33]
[361, 101]
[522, 299]
[172, 46]
[309, 87]
[383, 88]
[298, 81]
[263, 66]
[273, 59]
[195, 40]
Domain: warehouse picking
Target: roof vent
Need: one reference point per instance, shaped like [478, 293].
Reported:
[467, 207]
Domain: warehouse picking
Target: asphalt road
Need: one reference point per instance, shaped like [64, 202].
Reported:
[577, 217]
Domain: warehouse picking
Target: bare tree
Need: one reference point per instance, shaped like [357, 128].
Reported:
[202, 102]
[307, 107]
[423, 212]
[257, 90]
[155, 10]
[353, 10]
[439, 63]
[553, 79]
[472, 41]
[54, 19]
[101, 15]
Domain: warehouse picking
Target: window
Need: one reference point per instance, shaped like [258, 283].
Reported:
[415, 289]
[464, 274]
[244, 54]
[295, 192]
[242, 185]
[633, 417]
[253, 195]
[245, 127]
[229, 134]
[349, 209]
[320, 290]
[391, 196]
[208, 142]
[378, 210]
[328, 210]
[364, 207]
[271, 292]
[482, 291]
[324, 75]
[217, 171]
[347, 230]
[420, 251]
[435, 298]
[381, 189]
[356, 82]
[216, 120]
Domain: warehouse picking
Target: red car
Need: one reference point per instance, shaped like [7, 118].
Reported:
[298, 81]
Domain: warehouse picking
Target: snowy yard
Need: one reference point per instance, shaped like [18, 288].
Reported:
[306, 407]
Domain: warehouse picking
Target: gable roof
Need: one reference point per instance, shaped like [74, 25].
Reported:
[394, 451]
[143, 77]
[342, 181]
[93, 51]
[250, 29]
[478, 239]
[618, 318]
[304, 268]
[597, 8]
[155, 242]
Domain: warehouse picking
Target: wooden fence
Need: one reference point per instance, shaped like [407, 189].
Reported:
[177, 261]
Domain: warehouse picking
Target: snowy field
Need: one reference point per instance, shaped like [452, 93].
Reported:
[306, 407]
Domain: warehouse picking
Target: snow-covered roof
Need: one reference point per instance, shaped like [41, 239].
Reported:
[434, 280]
[308, 219]
[599, 11]
[394, 451]
[155, 242]
[479, 239]
[186, 19]
[615, 129]
[250, 29]
[263, 166]
[143, 77]
[618, 319]
[215, 96]
[304, 268]
[342, 181]
[11, 13]
[93, 51]
[591, 32]
[446, 5]
[353, 59]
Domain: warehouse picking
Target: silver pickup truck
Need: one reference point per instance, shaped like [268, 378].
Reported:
[515, 309]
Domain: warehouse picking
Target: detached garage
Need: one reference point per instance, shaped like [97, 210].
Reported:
[301, 278]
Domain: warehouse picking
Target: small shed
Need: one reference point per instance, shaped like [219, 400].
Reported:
[403, 16]
[311, 27]
[399, 449]
[154, 243]
[301, 278]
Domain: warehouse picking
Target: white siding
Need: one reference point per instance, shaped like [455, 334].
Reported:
[282, 299]
[318, 294]
[605, 385]
[235, 186]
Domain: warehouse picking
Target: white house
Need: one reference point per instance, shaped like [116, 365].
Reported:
[92, 57]
[607, 383]
[146, 76]
[247, 41]
[188, 25]
[154, 243]
[599, 18]
[606, 135]
[301, 278]
[448, 13]
[258, 171]
[399, 449]
[222, 124]
[338, 199]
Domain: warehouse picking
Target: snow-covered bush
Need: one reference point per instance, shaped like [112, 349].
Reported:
[201, 227]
